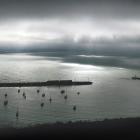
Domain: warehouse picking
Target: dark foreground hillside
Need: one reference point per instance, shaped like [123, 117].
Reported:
[114, 128]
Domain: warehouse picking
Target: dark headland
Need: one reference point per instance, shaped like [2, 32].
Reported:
[47, 83]
[114, 128]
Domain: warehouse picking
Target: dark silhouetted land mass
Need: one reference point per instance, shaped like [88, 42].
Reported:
[115, 128]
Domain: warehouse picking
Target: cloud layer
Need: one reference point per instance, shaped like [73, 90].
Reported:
[103, 25]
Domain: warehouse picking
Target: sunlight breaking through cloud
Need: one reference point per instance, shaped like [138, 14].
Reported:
[54, 30]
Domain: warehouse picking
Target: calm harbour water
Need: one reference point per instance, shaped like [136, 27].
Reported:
[112, 95]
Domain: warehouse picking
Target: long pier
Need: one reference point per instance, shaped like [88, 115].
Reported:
[47, 83]
[135, 78]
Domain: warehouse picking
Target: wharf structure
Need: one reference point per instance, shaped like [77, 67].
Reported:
[47, 83]
[135, 78]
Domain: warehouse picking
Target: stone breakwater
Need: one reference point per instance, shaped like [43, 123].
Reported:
[47, 83]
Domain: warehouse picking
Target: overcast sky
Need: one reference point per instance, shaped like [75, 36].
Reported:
[89, 23]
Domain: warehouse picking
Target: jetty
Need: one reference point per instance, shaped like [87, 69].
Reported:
[135, 78]
[47, 83]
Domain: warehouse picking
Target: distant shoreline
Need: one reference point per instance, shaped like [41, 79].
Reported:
[107, 127]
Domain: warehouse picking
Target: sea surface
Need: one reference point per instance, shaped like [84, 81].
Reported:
[112, 95]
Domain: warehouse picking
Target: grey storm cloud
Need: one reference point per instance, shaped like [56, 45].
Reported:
[97, 26]
[69, 8]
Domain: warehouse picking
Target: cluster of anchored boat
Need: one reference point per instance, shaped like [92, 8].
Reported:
[47, 83]
[62, 92]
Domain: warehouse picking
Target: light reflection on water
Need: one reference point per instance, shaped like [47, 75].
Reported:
[112, 94]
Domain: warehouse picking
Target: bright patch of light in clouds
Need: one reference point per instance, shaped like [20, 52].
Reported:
[46, 31]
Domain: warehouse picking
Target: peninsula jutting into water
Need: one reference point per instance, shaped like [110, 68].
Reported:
[47, 83]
